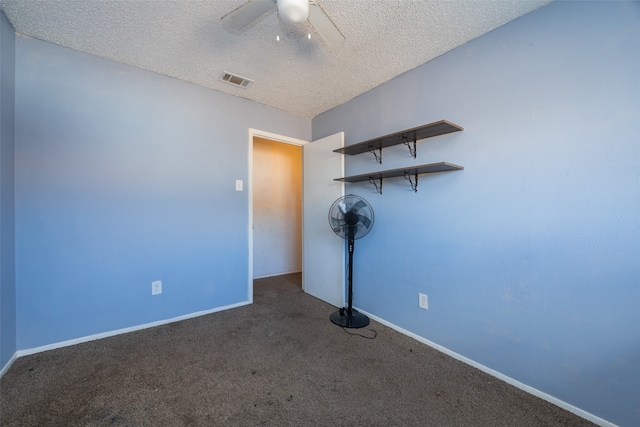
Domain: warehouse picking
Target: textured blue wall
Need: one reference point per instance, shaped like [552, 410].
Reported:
[7, 224]
[531, 255]
[124, 177]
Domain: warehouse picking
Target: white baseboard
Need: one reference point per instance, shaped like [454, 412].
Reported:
[6, 367]
[542, 395]
[276, 274]
[88, 338]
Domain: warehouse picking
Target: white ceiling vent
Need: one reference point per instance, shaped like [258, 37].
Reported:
[235, 80]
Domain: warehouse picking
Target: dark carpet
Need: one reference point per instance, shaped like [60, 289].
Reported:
[277, 362]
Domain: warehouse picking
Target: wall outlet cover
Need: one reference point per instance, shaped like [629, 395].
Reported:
[156, 287]
[423, 301]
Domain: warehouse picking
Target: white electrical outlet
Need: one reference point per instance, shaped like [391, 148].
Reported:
[423, 301]
[156, 287]
[239, 185]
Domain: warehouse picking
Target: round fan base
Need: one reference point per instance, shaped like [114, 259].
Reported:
[356, 320]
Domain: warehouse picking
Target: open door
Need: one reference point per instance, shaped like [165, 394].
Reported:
[323, 253]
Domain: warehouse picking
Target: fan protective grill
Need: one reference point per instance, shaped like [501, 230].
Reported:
[343, 214]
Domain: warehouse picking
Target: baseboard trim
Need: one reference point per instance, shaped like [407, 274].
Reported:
[277, 274]
[531, 390]
[7, 365]
[27, 352]
[542, 395]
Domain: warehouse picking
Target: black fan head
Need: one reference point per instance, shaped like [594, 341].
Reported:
[351, 217]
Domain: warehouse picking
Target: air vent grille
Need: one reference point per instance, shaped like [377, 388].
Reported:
[235, 80]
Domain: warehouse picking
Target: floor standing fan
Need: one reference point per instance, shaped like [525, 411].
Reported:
[350, 217]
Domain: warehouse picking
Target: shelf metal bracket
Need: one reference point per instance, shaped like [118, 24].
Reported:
[414, 185]
[378, 157]
[373, 181]
[407, 141]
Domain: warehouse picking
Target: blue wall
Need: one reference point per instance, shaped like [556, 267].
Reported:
[124, 177]
[7, 210]
[531, 255]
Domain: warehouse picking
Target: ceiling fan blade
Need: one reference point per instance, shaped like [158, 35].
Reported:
[246, 13]
[324, 26]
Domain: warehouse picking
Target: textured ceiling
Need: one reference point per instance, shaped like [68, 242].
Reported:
[187, 40]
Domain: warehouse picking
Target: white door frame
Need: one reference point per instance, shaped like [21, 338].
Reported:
[274, 137]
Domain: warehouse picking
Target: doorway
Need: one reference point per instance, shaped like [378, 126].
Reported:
[277, 208]
[323, 261]
[256, 135]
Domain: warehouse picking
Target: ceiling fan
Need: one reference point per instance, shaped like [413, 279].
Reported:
[293, 11]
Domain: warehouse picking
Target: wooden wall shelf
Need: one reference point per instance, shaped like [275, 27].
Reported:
[410, 173]
[408, 137]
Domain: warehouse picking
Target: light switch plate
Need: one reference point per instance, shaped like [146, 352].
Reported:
[238, 185]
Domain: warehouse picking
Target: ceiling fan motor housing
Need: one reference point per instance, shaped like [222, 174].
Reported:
[294, 10]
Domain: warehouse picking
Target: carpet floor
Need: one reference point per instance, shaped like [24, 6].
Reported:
[277, 362]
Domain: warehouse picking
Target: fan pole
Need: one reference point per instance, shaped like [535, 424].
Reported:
[351, 318]
[349, 279]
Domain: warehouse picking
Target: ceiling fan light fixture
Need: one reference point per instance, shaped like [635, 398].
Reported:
[294, 10]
